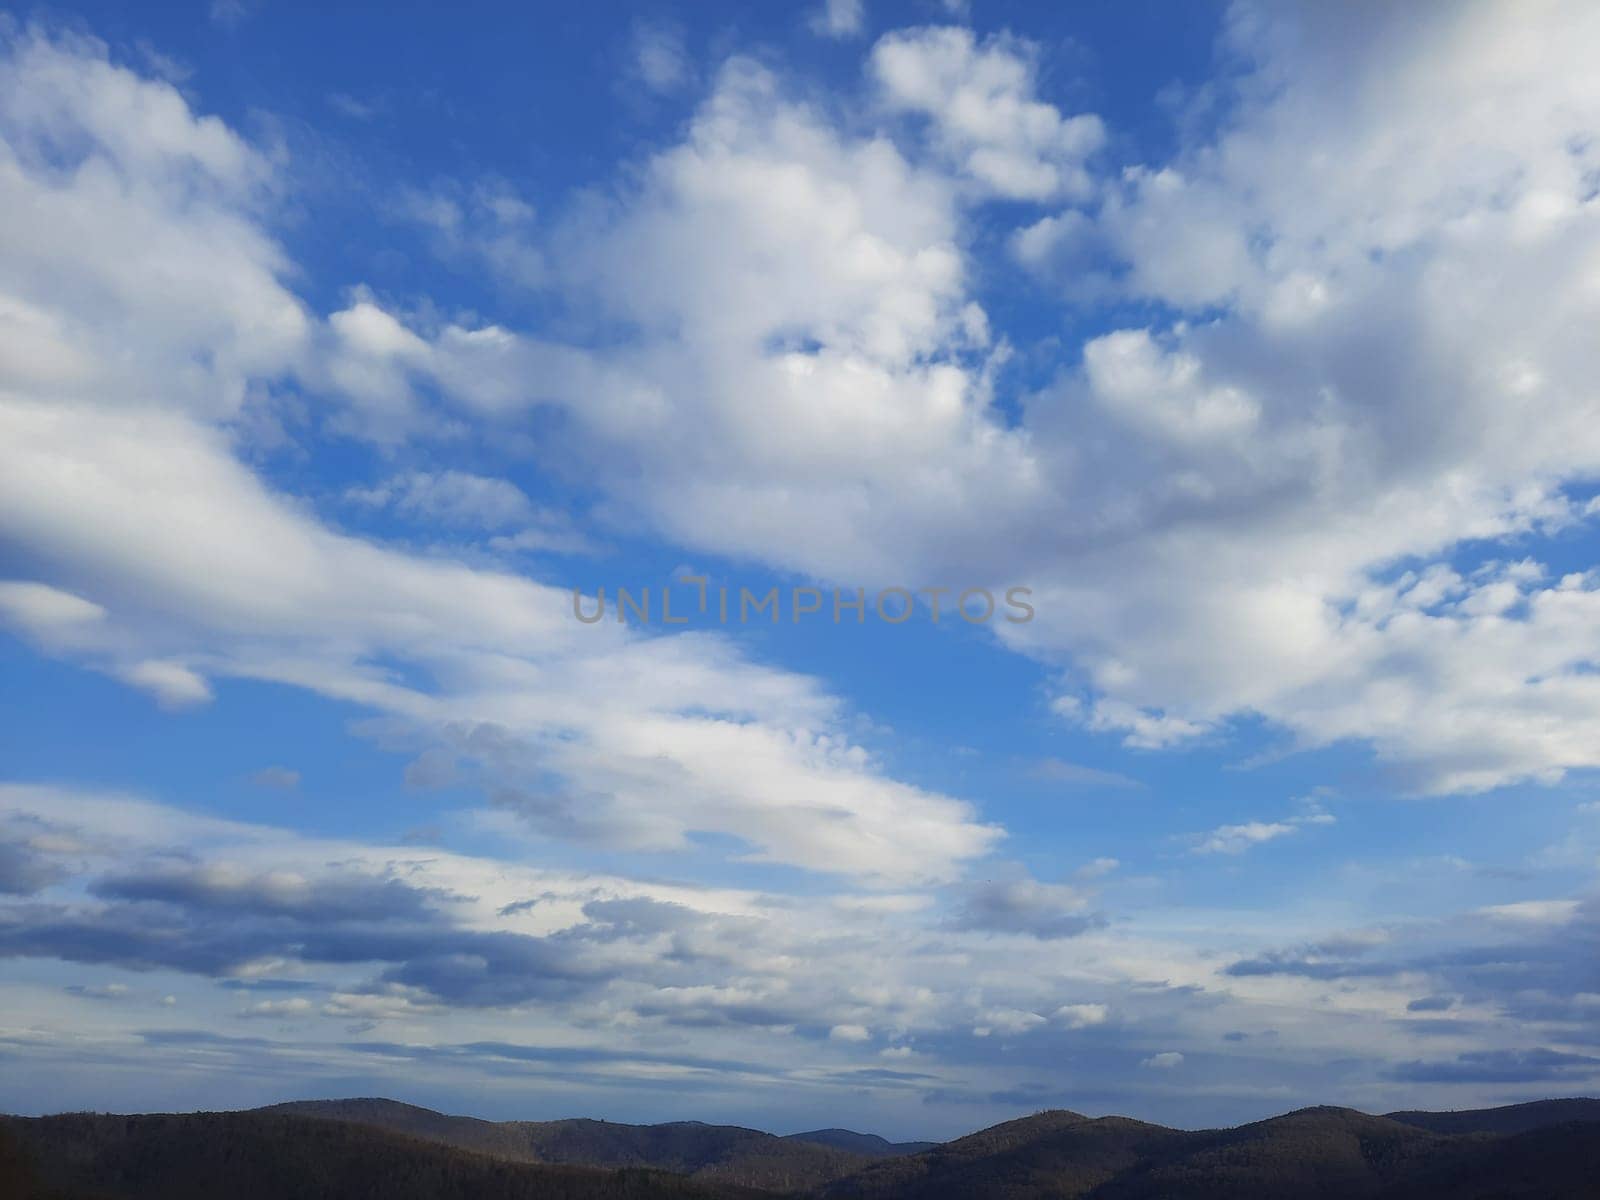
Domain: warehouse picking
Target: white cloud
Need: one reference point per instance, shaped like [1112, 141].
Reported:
[228, 13]
[46, 612]
[1164, 1061]
[674, 734]
[172, 684]
[483, 225]
[1098, 868]
[1006, 1021]
[1236, 839]
[839, 18]
[660, 59]
[1535, 912]
[449, 498]
[353, 107]
[106, 991]
[1081, 1016]
[294, 1006]
[985, 117]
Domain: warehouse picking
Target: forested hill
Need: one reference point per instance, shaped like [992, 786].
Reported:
[274, 1156]
[717, 1153]
[383, 1150]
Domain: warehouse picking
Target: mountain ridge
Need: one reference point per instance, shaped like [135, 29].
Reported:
[718, 1153]
[358, 1148]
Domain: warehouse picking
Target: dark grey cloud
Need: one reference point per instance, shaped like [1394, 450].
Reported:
[351, 896]
[24, 871]
[1047, 911]
[209, 920]
[1425, 1004]
[640, 917]
[471, 968]
[1290, 963]
[118, 936]
[709, 1013]
[1339, 957]
[528, 905]
[1540, 1065]
[1531, 971]
[269, 985]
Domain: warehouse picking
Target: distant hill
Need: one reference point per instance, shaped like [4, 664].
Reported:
[717, 1153]
[1313, 1154]
[1056, 1153]
[868, 1144]
[501, 1139]
[1513, 1118]
[384, 1150]
[273, 1156]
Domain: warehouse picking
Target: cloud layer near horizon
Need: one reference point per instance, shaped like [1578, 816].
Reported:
[414, 967]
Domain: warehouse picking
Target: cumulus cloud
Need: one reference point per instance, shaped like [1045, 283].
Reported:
[1307, 458]
[678, 735]
[979, 99]
[1340, 411]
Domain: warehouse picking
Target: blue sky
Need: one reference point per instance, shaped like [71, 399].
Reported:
[341, 347]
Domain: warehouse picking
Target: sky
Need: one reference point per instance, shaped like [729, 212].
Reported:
[1240, 356]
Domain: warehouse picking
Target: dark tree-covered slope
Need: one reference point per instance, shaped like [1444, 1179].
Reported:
[271, 1156]
[1512, 1118]
[372, 1149]
[722, 1153]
